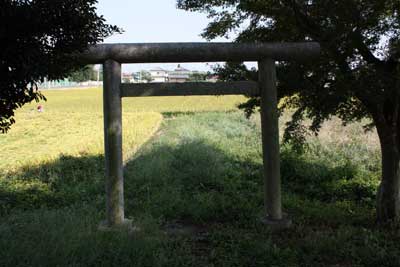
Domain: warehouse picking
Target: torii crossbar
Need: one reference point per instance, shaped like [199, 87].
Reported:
[113, 55]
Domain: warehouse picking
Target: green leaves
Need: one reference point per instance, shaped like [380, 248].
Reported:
[39, 39]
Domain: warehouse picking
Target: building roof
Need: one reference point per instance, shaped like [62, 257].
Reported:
[179, 68]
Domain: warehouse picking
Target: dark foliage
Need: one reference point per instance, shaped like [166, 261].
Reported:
[357, 75]
[40, 38]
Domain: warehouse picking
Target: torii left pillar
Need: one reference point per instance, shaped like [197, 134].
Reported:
[112, 108]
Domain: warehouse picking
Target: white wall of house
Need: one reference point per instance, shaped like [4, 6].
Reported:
[159, 75]
[159, 79]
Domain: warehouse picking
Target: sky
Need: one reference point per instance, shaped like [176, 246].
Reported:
[154, 21]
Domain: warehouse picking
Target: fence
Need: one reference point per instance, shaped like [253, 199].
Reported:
[67, 84]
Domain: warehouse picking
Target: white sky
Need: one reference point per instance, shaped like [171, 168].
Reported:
[154, 21]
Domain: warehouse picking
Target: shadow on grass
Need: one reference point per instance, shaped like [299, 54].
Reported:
[192, 180]
[62, 182]
[172, 114]
[319, 180]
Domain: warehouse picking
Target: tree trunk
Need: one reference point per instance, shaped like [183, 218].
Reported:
[388, 198]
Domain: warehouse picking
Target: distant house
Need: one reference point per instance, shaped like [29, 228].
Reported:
[159, 75]
[179, 75]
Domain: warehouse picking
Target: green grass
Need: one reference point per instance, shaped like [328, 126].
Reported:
[194, 188]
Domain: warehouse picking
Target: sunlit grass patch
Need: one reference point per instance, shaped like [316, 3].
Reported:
[42, 137]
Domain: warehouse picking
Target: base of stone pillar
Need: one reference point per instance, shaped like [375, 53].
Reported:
[274, 224]
[126, 225]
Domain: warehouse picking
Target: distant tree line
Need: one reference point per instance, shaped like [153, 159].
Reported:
[86, 73]
[198, 76]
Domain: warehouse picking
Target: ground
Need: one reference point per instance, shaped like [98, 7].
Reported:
[193, 185]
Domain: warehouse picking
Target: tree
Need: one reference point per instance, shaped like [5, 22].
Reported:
[41, 38]
[86, 73]
[197, 76]
[146, 76]
[357, 75]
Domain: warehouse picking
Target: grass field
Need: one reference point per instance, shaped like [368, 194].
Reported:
[72, 124]
[193, 185]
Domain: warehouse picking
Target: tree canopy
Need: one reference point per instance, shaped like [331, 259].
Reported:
[357, 75]
[40, 39]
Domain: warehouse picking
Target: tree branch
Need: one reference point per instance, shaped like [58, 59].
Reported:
[363, 49]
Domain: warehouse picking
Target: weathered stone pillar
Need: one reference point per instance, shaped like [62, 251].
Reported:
[270, 144]
[113, 145]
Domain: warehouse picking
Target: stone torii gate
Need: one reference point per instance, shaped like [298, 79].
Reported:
[113, 55]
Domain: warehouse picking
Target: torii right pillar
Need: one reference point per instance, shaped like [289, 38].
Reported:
[270, 146]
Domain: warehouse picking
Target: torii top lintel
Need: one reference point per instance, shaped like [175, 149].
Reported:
[200, 52]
